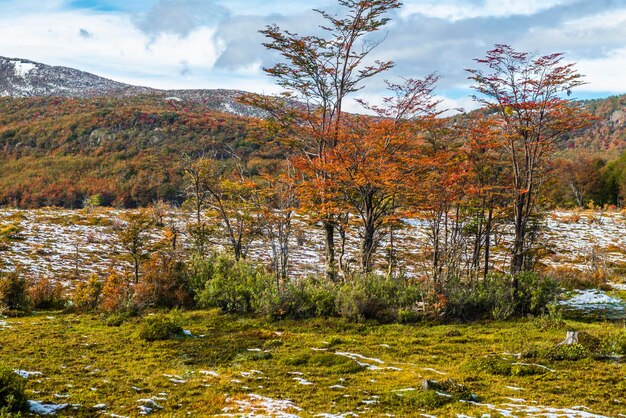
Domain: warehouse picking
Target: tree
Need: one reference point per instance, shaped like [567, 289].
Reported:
[525, 91]
[375, 157]
[275, 201]
[487, 188]
[200, 178]
[320, 72]
[132, 235]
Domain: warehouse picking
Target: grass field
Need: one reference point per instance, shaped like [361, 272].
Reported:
[233, 365]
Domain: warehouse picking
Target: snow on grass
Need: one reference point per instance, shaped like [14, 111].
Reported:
[260, 406]
[358, 357]
[594, 301]
[26, 374]
[148, 406]
[302, 381]
[514, 409]
[41, 408]
[55, 242]
[209, 373]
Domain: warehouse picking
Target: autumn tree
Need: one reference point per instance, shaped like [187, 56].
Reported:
[375, 156]
[133, 236]
[581, 179]
[487, 185]
[434, 195]
[200, 177]
[320, 72]
[526, 92]
[275, 202]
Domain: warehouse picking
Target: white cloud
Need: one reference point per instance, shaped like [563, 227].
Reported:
[428, 35]
[116, 48]
[464, 9]
[605, 74]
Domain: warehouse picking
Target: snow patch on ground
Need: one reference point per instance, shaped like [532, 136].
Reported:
[26, 374]
[515, 409]
[41, 408]
[359, 357]
[261, 406]
[23, 68]
[592, 301]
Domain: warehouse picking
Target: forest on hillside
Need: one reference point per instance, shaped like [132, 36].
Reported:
[60, 151]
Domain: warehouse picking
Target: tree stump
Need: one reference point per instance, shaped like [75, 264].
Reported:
[570, 339]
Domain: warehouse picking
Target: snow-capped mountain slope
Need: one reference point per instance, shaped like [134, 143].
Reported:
[23, 78]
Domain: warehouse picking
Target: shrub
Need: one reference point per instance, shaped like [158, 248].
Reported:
[500, 366]
[12, 396]
[44, 294]
[370, 297]
[116, 319]
[495, 365]
[568, 352]
[160, 327]
[307, 298]
[534, 293]
[86, 297]
[495, 296]
[433, 395]
[117, 294]
[164, 284]
[615, 344]
[13, 292]
[232, 286]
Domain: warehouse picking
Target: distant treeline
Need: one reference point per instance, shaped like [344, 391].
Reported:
[59, 152]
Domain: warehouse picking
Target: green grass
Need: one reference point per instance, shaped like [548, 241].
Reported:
[94, 363]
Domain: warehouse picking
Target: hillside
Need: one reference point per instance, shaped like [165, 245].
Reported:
[56, 151]
[66, 134]
[609, 131]
[21, 78]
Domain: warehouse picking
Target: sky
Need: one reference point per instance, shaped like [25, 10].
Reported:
[216, 44]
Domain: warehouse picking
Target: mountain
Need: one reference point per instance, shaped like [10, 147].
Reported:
[608, 132]
[66, 134]
[21, 78]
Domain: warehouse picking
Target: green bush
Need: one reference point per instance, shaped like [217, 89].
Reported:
[116, 319]
[616, 344]
[496, 297]
[374, 297]
[160, 327]
[500, 366]
[495, 365]
[12, 396]
[232, 286]
[434, 394]
[568, 352]
[534, 293]
[13, 292]
[306, 298]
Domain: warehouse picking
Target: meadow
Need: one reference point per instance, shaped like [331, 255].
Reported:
[233, 365]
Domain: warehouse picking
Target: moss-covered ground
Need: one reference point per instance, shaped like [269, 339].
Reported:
[239, 365]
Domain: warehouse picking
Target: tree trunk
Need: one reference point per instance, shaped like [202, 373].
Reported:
[136, 261]
[517, 262]
[329, 231]
[367, 246]
[570, 339]
[488, 241]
